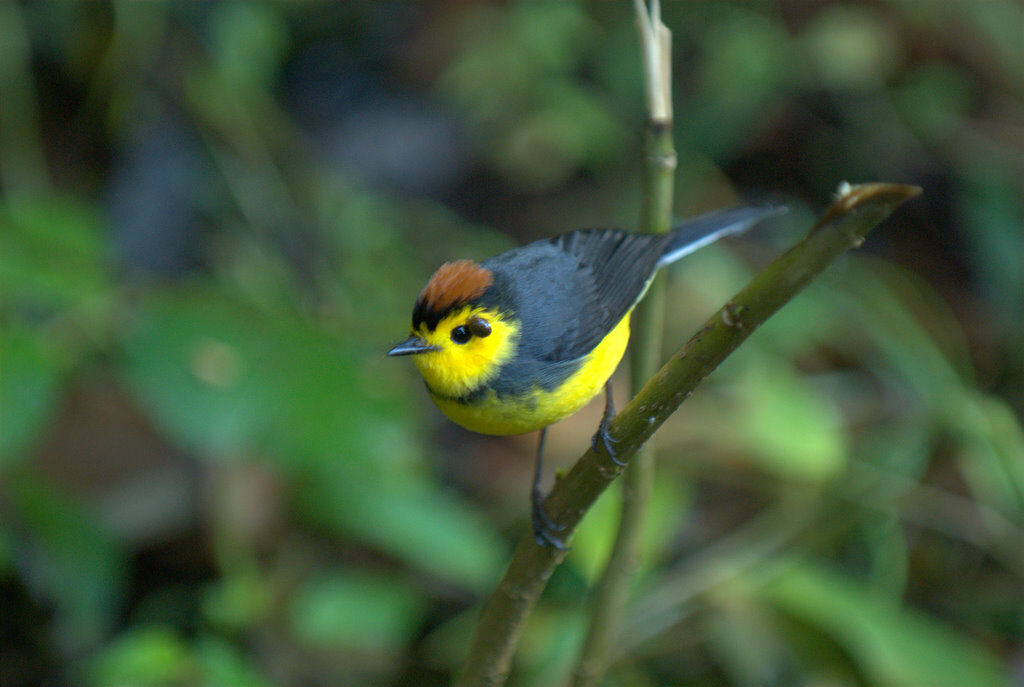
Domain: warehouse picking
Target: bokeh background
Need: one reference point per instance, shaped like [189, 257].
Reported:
[215, 217]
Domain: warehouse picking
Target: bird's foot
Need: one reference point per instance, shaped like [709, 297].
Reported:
[602, 435]
[544, 527]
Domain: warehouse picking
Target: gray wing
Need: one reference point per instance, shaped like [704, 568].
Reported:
[570, 291]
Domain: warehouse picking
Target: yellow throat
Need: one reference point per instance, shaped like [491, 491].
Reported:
[455, 370]
[451, 374]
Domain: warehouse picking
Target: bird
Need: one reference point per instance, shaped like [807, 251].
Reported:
[516, 342]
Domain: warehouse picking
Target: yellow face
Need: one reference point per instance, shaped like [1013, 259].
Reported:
[472, 344]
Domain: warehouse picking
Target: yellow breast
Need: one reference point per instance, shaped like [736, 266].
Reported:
[493, 414]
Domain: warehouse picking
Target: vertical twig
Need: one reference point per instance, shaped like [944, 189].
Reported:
[612, 592]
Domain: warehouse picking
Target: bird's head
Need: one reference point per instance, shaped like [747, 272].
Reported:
[461, 333]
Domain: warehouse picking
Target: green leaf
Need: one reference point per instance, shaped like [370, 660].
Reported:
[223, 377]
[791, 427]
[778, 421]
[73, 563]
[892, 645]
[57, 297]
[749, 59]
[6, 552]
[146, 657]
[363, 611]
[852, 46]
[340, 401]
[249, 42]
[552, 35]
[935, 99]
[992, 207]
[569, 128]
[433, 531]
[236, 602]
[53, 257]
[222, 665]
[30, 389]
[592, 542]
[889, 556]
[515, 80]
[744, 638]
[200, 364]
[992, 450]
[548, 651]
[895, 334]
[156, 656]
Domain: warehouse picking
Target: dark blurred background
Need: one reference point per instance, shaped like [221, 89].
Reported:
[216, 216]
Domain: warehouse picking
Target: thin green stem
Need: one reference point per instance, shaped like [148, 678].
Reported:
[854, 213]
[611, 594]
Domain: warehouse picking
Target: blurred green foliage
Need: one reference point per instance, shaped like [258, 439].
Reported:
[215, 216]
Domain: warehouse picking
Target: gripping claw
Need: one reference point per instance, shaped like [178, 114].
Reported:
[606, 440]
[544, 527]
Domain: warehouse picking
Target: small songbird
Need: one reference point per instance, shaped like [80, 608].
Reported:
[526, 338]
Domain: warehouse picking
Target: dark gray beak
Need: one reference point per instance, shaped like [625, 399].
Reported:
[412, 346]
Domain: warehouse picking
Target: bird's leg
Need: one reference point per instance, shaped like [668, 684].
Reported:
[544, 527]
[602, 429]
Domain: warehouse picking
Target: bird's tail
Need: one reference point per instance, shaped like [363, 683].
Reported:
[706, 229]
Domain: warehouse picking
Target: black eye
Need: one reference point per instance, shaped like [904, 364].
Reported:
[461, 334]
[478, 326]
